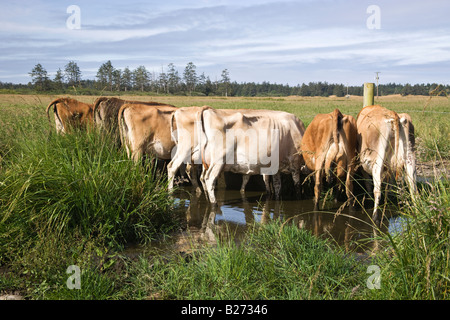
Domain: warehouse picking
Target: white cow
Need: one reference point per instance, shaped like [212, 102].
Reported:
[262, 142]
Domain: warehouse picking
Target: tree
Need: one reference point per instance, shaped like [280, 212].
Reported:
[338, 90]
[190, 76]
[117, 79]
[407, 90]
[209, 88]
[305, 91]
[39, 77]
[153, 81]
[226, 81]
[172, 77]
[164, 81]
[72, 73]
[58, 80]
[141, 77]
[201, 83]
[127, 79]
[105, 75]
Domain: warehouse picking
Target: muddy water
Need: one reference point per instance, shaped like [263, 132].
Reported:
[235, 213]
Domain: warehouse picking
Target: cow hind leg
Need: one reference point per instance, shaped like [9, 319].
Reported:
[245, 178]
[277, 185]
[203, 181]
[344, 175]
[317, 188]
[266, 179]
[172, 169]
[368, 181]
[193, 174]
[297, 183]
[210, 179]
[349, 187]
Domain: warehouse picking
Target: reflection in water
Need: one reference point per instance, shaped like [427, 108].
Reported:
[234, 213]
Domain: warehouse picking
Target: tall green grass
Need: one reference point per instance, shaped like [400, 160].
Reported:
[416, 260]
[71, 199]
[79, 181]
[276, 262]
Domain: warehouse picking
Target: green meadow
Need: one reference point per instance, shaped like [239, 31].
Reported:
[77, 200]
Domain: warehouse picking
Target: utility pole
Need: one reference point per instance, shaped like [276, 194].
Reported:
[377, 81]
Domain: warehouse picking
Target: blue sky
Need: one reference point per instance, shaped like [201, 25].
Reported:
[276, 41]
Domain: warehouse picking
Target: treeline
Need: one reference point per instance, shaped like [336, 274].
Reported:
[189, 82]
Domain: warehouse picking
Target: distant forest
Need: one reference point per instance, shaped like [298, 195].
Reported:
[112, 81]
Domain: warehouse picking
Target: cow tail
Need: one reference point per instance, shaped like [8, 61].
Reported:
[336, 118]
[123, 128]
[202, 137]
[337, 124]
[52, 104]
[396, 143]
[172, 128]
[95, 109]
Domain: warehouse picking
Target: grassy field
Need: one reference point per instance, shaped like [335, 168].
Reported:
[76, 200]
[430, 115]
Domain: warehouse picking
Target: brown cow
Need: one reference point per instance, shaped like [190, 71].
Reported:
[145, 130]
[386, 146]
[70, 113]
[330, 141]
[106, 112]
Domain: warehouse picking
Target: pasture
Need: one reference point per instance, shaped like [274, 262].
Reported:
[76, 200]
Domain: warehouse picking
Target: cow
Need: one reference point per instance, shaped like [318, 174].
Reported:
[386, 147]
[145, 130]
[330, 141]
[266, 142]
[70, 113]
[106, 110]
[186, 132]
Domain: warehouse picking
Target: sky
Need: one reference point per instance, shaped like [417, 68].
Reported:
[287, 42]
